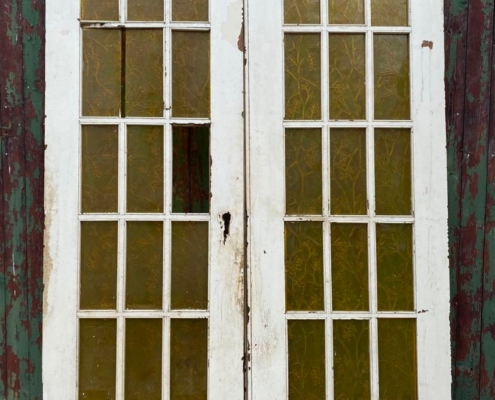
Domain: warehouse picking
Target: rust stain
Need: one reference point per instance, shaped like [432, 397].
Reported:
[427, 43]
[240, 41]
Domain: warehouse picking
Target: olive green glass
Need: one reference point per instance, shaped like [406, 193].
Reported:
[97, 359]
[100, 10]
[190, 10]
[304, 266]
[189, 265]
[145, 169]
[145, 10]
[302, 11]
[395, 275]
[99, 169]
[144, 263]
[98, 277]
[351, 361]
[389, 13]
[143, 359]
[306, 360]
[302, 76]
[303, 171]
[397, 359]
[188, 359]
[346, 12]
[350, 267]
[393, 171]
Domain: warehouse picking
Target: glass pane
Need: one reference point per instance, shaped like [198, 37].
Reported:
[190, 10]
[98, 265]
[348, 172]
[188, 359]
[99, 175]
[145, 169]
[143, 359]
[191, 74]
[97, 359]
[102, 52]
[346, 11]
[397, 359]
[100, 10]
[350, 267]
[190, 265]
[395, 267]
[144, 73]
[351, 359]
[302, 11]
[306, 360]
[392, 92]
[393, 171]
[389, 12]
[144, 265]
[303, 179]
[302, 76]
[304, 266]
[191, 175]
[145, 10]
[347, 77]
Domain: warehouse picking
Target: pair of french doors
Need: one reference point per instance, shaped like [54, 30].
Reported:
[245, 199]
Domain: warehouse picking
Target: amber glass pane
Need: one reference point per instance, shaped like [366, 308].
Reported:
[393, 171]
[144, 73]
[346, 11]
[397, 359]
[191, 74]
[392, 88]
[389, 13]
[347, 77]
[395, 267]
[348, 171]
[302, 76]
[188, 359]
[101, 86]
[350, 267]
[100, 10]
[99, 175]
[302, 11]
[303, 179]
[306, 360]
[145, 169]
[304, 266]
[191, 169]
[143, 359]
[145, 10]
[190, 265]
[144, 265]
[190, 10]
[351, 359]
[98, 265]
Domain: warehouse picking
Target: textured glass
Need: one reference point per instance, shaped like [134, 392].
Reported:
[144, 73]
[145, 169]
[302, 11]
[393, 171]
[389, 13]
[190, 265]
[304, 266]
[394, 246]
[100, 10]
[190, 10]
[303, 179]
[350, 267]
[348, 171]
[101, 81]
[143, 359]
[351, 359]
[145, 10]
[191, 169]
[346, 11]
[347, 76]
[306, 360]
[191, 74]
[98, 265]
[397, 359]
[302, 76]
[392, 88]
[97, 359]
[99, 174]
[188, 359]
[144, 257]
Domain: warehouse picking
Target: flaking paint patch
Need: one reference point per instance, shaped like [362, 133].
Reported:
[230, 27]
